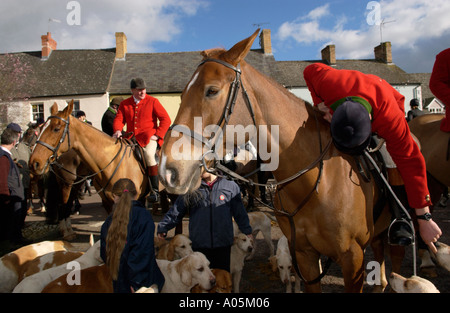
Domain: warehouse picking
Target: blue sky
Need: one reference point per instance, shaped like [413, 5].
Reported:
[418, 29]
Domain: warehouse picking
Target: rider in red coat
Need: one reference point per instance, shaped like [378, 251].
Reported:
[328, 86]
[141, 114]
[440, 84]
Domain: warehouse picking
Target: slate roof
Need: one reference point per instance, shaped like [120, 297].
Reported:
[66, 72]
[84, 72]
[291, 72]
[171, 72]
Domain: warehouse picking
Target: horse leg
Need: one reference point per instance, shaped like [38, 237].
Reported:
[71, 235]
[352, 264]
[309, 266]
[377, 246]
[397, 255]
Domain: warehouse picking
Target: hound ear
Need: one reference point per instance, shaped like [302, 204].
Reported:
[240, 50]
[171, 251]
[185, 268]
[54, 109]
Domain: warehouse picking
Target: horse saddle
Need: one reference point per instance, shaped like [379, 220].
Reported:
[138, 152]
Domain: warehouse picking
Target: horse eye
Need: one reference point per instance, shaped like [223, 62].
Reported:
[57, 129]
[211, 92]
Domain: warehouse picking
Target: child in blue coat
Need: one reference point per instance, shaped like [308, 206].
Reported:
[211, 209]
[127, 242]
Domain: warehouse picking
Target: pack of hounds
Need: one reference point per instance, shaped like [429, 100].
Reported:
[46, 266]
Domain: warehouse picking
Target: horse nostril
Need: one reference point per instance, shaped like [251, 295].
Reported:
[170, 177]
[36, 165]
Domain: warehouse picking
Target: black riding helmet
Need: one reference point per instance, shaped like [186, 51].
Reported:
[351, 127]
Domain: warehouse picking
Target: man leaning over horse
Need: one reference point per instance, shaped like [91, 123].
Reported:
[141, 113]
[358, 104]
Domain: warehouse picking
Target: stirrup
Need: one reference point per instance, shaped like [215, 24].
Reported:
[153, 197]
[405, 232]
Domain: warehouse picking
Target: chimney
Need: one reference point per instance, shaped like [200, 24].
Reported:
[121, 46]
[329, 54]
[48, 45]
[265, 41]
[383, 52]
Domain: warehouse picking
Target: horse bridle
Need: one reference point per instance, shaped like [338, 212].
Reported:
[54, 156]
[224, 119]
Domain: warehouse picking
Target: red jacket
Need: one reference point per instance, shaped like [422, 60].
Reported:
[329, 85]
[440, 84]
[142, 119]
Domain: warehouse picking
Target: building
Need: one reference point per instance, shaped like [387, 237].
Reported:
[57, 76]
[94, 77]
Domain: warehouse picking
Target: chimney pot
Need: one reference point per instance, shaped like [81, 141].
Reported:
[265, 41]
[383, 52]
[121, 46]
[48, 45]
[329, 54]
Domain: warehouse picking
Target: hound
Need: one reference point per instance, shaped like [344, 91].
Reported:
[11, 264]
[177, 248]
[241, 248]
[183, 274]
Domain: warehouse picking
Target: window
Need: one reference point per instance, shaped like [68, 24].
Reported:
[37, 111]
[76, 106]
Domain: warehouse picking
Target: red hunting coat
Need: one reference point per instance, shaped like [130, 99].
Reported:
[142, 119]
[329, 85]
[440, 84]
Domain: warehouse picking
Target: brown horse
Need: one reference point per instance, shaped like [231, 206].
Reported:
[103, 155]
[336, 220]
[434, 145]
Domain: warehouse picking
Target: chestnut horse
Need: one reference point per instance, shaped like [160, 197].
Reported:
[434, 145]
[335, 215]
[103, 155]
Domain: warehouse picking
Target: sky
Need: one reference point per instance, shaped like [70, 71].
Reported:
[417, 29]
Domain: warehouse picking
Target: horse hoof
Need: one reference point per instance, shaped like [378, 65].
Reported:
[428, 271]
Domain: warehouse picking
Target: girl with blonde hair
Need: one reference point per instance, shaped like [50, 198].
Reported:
[127, 245]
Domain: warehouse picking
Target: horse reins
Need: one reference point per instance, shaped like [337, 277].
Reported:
[210, 144]
[53, 159]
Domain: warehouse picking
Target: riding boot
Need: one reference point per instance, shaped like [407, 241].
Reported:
[400, 231]
[152, 172]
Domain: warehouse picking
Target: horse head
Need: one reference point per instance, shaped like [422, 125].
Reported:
[53, 140]
[207, 102]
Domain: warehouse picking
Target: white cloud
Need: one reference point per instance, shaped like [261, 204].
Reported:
[143, 21]
[412, 23]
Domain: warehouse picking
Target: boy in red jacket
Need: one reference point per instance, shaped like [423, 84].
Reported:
[440, 85]
[141, 113]
[329, 87]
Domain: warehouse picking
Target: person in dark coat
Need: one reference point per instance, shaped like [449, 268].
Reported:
[211, 209]
[127, 242]
[109, 115]
[11, 189]
[415, 111]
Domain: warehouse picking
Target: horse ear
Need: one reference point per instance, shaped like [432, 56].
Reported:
[240, 50]
[54, 109]
[68, 110]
